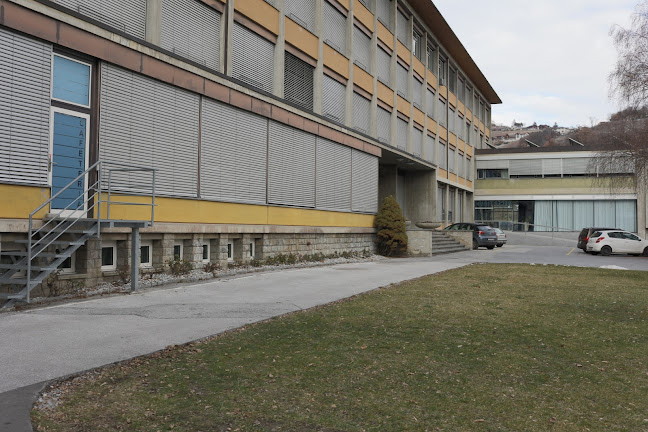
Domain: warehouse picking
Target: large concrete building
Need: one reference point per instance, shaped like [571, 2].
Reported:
[556, 189]
[272, 127]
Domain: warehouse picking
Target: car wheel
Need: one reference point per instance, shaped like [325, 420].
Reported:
[490, 247]
[645, 252]
[606, 251]
[500, 244]
[475, 245]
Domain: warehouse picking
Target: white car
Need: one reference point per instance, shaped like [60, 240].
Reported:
[616, 241]
[501, 237]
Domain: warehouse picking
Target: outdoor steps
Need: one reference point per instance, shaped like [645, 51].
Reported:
[444, 244]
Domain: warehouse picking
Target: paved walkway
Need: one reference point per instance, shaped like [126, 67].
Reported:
[46, 343]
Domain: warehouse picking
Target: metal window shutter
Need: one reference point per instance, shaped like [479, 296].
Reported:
[233, 154]
[417, 142]
[383, 63]
[25, 81]
[403, 29]
[401, 133]
[384, 11]
[576, 165]
[429, 148]
[128, 16]
[364, 182]
[302, 12]
[361, 49]
[431, 99]
[442, 156]
[552, 166]
[451, 160]
[401, 81]
[361, 109]
[291, 166]
[525, 167]
[492, 164]
[252, 58]
[333, 175]
[298, 81]
[418, 94]
[383, 125]
[191, 30]
[334, 28]
[149, 123]
[333, 99]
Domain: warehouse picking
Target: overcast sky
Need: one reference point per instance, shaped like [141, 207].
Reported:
[548, 60]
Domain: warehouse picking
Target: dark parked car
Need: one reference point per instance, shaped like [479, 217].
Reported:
[483, 235]
[585, 235]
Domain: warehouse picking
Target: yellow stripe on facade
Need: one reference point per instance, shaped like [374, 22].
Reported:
[16, 202]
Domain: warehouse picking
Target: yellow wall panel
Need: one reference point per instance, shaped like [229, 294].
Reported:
[302, 39]
[452, 177]
[469, 184]
[461, 108]
[481, 127]
[452, 99]
[442, 173]
[385, 36]
[385, 94]
[363, 15]
[362, 79]
[469, 150]
[419, 116]
[336, 61]
[443, 91]
[345, 3]
[418, 67]
[403, 106]
[403, 52]
[488, 132]
[452, 139]
[461, 146]
[469, 115]
[303, 217]
[443, 132]
[431, 79]
[432, 126]
[177, 210]
[261, 13]
[16, 202]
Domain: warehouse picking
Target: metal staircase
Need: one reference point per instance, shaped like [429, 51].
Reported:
[55, 238]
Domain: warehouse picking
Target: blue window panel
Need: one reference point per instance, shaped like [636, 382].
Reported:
[71, 81]
[68, 155]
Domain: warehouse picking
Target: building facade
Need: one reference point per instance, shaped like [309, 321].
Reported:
[272, 126]
[555, 189]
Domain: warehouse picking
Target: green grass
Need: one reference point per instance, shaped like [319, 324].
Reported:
[485, 347]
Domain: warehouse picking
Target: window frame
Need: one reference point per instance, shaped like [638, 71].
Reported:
[417, 48]
[67, 57]
[113, 266]
[146, 244]
[208, 259]
[230, 250]
[181, 255]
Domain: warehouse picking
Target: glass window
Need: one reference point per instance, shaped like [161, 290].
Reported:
[452, 79]
[252, 252]
[177, 251]
[109, 256]
[146, 255]
[205, 253]
[416, 44]
[230, 251]
[442, 71]
[431, 59]
[71, 81]
[298, 81]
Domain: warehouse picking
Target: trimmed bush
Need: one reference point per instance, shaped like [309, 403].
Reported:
[392, 237]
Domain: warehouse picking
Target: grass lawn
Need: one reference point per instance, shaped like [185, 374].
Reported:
[485, 347]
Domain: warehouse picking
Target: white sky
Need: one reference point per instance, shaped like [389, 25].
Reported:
[548, 60]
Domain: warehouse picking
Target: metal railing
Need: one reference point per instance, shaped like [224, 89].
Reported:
[90, 201]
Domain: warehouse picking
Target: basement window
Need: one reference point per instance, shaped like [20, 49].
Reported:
[230, 251]
[177, 251]
[108, 256]
[205, 253]
[146, 254]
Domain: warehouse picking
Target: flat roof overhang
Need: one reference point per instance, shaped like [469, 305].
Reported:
[451, 43]
[403, 161]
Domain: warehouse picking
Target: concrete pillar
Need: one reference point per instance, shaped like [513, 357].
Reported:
[193, 250]
[167, 248]
[226, 41]
[280, 55]
[135, 258]
[421, 196]
[387, 181]
[153, 21]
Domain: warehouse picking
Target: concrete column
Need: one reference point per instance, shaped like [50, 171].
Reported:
[387, 181]
[167, 247]
[193, 250]
[226, 41]
[153, 21]
[348, 51]
[135, 258]
[280, 55]
[421, 196]
[222, 251]
[318, 78]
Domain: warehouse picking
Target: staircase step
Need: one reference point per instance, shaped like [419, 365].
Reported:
[53, 242]
[34, 255]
